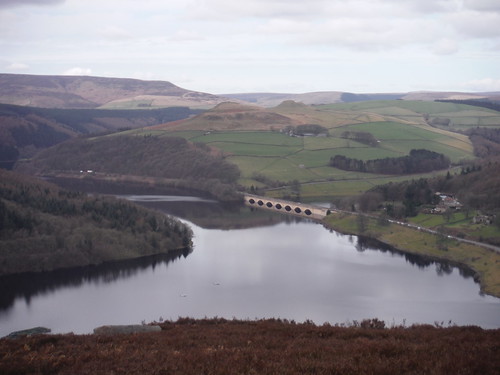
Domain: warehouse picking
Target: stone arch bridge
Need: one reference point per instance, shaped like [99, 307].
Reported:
[286, 207]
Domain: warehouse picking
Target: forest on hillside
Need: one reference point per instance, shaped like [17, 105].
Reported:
[152, 156]
[27, 129]
[43, 227]
[486, 141]
[476, 187]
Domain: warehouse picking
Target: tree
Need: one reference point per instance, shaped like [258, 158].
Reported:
[362, 223]
[441, 239]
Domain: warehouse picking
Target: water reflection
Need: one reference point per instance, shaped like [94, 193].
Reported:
[442, 268]
[210, 214]
[30, 285]
[280, 266]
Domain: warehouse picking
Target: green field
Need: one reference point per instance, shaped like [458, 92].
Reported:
[283, 158]
[461, 116]
[399, 126]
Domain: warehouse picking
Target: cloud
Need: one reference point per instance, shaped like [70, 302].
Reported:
[483, 5]
[77, 71]
[476, 24]
[224, 9]
[484, 85]
[357, 34]
[16, 3]
[445, 47]
[362, 24]
[220, 9]
[16, 66]
[185, 35]
[115, 33]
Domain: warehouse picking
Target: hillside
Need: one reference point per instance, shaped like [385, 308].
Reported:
[26, 130]
[93, 92]
[262, 142]
[171, 160]
[43, 228]
[232, 116]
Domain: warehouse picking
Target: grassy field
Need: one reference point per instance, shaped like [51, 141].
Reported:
[284, 158]
[461, 116]
[251, 138]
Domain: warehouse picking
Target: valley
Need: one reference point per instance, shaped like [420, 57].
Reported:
[287, 151]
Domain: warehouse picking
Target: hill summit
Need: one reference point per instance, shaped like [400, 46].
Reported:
[93, 92]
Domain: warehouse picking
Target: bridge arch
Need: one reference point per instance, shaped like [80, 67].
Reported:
[301, 209]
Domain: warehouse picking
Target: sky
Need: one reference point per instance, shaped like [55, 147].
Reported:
[286, 46]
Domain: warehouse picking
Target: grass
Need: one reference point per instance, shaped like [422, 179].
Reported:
[255, 138]
[462, 116]
[284, 158]
[393, 107]
[252, 149]
[129, 104]
[398, 125]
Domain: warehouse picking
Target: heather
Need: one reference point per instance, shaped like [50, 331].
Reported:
[218, 346]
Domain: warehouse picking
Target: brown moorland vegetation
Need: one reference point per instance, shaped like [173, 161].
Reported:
[218, 346]
[88, 92]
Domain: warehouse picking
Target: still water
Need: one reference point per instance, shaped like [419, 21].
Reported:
[249, 264]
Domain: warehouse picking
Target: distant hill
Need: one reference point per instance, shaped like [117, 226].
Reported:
[94, 92]
[329, 97]
[125, 93]
[233, 116]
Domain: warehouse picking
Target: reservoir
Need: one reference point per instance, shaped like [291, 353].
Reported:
[249, 264]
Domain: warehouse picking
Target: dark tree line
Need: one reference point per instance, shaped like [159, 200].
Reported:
[306, 129]
[484, 103]
[168, 157]
[44, 127]
[183, 163]
[79, 119]
[8, 156]
[399, 199]
[361, 137]
[476, 187]
[418, 161]
[486, 141]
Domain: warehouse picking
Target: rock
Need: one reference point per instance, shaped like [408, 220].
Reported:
[125, 329]
[28, 332]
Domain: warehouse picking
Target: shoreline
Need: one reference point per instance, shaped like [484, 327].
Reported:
[483, 262]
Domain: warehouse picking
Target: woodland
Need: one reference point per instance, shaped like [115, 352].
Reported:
[43, 227]
[171, 158]
[418, 161]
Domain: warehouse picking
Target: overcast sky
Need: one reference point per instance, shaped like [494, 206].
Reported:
[228, 46]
